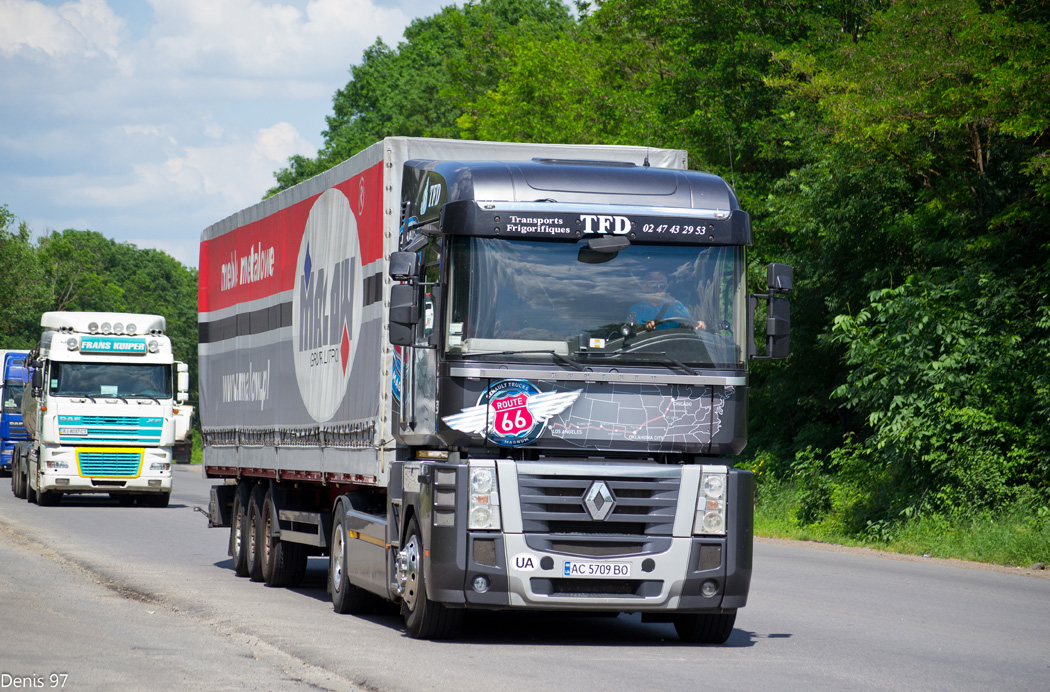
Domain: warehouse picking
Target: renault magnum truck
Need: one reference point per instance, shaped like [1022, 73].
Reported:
[12, 383]
[101, 409]
[489, 376]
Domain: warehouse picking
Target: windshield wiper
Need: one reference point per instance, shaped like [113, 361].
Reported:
[553, 354]
[667, 361]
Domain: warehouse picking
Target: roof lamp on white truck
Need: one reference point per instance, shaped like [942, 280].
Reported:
[489, 376]
[101, 411]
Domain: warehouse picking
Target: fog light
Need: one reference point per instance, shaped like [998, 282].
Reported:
[61, 481]
[714, 522]
[154, 482]
[481, 516]
[481, 584]
[709, 588]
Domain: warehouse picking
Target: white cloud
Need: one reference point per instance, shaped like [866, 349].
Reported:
[263, 39]
[86, 28]
[147, 123]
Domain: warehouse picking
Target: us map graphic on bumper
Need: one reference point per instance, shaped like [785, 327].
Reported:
[656, 416]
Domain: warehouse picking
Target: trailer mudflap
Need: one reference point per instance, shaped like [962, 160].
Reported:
[220, 506]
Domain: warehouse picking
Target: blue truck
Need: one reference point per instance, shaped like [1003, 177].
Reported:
[12, 431]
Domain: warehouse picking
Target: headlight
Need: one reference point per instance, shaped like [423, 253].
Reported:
[153, 346]
[160, 466]
[72, 343]
[711, 505]
[483, 512]
[57, 464]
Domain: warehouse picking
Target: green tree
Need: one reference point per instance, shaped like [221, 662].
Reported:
[419, 88]
[19, 284]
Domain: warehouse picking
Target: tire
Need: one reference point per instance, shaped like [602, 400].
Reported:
[48, 498]
[239, 529]
[706, 628]
[253, 553]
[160, 500]
[424, 618]
[346, 597]
[283, 563]
[30, 493]
[17, 482]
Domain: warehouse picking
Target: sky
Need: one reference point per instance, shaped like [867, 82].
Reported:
[149, 120]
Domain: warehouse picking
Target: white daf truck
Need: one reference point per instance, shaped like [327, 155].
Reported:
[489, 376]
[101, 409]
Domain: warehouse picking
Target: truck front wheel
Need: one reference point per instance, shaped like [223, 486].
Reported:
[346, 597]
[47, 498]
[424, 619]
[706, 628]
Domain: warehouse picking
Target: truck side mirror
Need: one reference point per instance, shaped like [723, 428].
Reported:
[404, 314]
[778, 327]
[38, 380]
[403, 266]
[183, 383]
[779, 281]
[779, 278]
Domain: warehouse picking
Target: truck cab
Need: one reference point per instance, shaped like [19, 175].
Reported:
[100, 409]
[13, 379]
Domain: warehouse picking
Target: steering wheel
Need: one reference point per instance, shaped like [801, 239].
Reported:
[684, 321]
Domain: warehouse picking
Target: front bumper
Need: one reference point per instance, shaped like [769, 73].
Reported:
[105, 470]
[523, 565]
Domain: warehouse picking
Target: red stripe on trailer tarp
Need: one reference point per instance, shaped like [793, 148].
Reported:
[226, 261]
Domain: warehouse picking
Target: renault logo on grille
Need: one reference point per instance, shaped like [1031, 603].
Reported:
[599, 501]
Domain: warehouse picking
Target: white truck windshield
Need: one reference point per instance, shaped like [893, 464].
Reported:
[110, 379]
[642, 304]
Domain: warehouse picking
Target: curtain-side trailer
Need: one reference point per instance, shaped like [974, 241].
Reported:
[483, 375]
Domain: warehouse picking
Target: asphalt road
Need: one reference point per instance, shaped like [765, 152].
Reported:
[94, 596]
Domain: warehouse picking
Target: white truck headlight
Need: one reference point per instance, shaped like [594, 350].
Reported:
[483, 512]
[711, 505]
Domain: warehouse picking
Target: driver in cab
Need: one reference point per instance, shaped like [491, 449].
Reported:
[659, 309]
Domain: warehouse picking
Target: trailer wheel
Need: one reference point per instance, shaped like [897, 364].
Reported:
[253, 553]
[239, 529]
[706, 628]
[424, 619]
[283, 563]
[346, 597]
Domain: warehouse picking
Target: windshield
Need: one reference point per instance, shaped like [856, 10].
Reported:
[111, 379]
[13, 395]
[644, 304]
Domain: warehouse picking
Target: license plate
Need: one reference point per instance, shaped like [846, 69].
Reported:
[614, 570]
[78, 432]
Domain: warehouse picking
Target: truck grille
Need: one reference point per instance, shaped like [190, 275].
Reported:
[143, 430]
[554, 504]
[111, 464]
